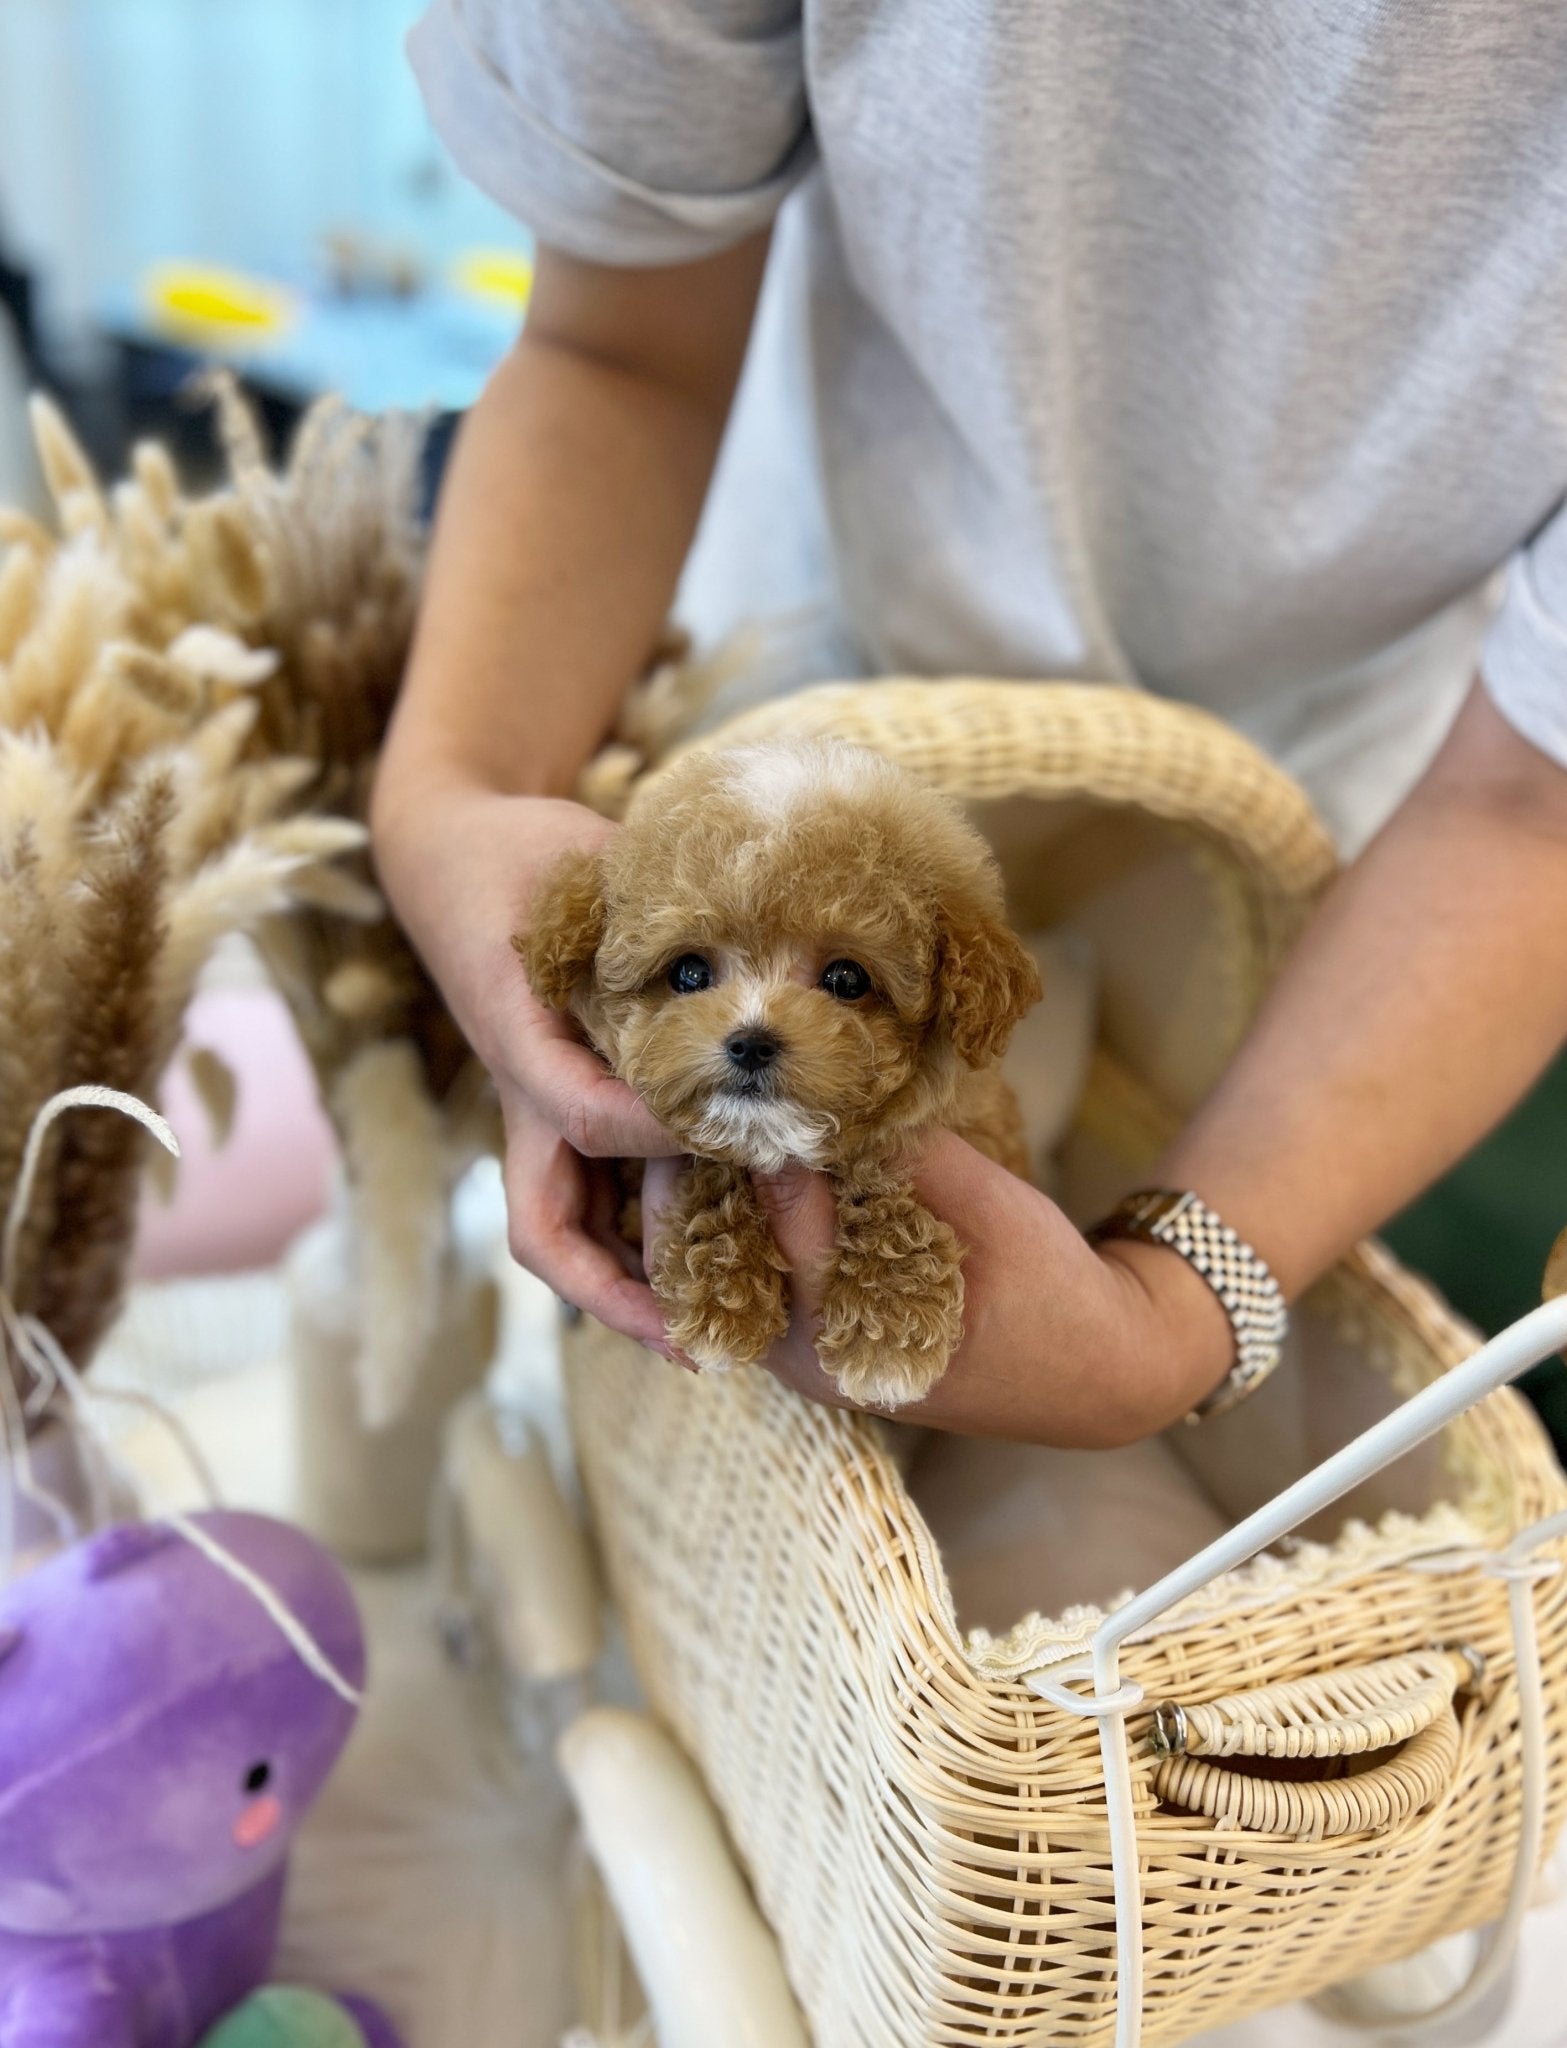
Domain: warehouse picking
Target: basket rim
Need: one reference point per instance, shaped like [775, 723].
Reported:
[994, 1796]
[1502, 1438]
[982, 738]
[1109, 741]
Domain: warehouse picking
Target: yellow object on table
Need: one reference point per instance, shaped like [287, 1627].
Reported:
[200, 302]
[501, 276]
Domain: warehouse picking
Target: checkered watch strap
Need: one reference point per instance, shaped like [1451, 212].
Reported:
[1247, 1290]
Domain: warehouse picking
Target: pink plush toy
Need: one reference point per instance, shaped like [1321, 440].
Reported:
[161, 1736]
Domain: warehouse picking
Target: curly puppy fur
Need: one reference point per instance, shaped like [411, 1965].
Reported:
[703, 953]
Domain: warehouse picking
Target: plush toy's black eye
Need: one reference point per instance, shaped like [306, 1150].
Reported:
[846, 979]
[258, 1777]
[690, 973]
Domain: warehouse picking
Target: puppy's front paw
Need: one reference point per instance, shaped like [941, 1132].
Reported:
[717, 1271]
[892, 1309]
[736, 1328]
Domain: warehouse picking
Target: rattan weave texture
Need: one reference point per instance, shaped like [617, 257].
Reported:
[925, 1835]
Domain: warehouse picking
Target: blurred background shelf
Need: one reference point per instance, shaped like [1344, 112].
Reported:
[282, 140]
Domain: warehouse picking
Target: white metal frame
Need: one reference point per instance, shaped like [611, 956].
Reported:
[710, 1967]
[707, 1961]
[1529, 1341]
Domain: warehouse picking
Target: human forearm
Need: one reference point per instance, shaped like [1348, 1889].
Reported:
[1083, 1358]
[1425, 997]
[563, 523]
[565, 517]
[564, 520]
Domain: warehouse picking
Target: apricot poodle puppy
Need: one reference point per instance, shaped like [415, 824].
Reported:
[798, 953]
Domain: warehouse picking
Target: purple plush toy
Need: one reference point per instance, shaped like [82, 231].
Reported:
[160, 1738]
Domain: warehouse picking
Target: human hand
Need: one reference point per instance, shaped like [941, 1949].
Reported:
[460, 863]
[1063, 1343]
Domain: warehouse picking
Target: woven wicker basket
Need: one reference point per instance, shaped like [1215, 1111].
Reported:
[926, 1835]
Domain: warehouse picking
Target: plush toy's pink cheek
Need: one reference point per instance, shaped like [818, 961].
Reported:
[258, 1820]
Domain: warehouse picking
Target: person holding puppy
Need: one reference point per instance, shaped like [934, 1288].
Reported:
[1221, 353]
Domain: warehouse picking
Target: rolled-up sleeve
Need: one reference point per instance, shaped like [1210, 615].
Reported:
[622, 131]
[1525, 657]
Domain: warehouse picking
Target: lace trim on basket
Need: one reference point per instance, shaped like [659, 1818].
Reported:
[1040, 1640]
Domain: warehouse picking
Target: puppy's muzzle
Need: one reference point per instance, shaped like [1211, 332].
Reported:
[751, 1054]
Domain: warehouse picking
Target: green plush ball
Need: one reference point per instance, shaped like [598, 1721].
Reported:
[286, 2016]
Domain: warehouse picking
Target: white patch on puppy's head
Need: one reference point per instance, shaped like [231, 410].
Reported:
[776, 778]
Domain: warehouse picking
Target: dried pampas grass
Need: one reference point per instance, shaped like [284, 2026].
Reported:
[141, 818]
[338, 532]
[193, 695]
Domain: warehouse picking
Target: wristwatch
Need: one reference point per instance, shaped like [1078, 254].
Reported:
[1247, 1291]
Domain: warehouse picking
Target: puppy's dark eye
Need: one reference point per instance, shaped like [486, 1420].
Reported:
[846, 980]
[258, 1777]
[689, 973]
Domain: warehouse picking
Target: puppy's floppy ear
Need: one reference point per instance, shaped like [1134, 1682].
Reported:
[985, 980]
[565, 928]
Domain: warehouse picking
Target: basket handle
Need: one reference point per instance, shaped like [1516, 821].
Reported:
[1313, 1809]
[1332, 1714]
[1523, 1344]
[1401, 1703]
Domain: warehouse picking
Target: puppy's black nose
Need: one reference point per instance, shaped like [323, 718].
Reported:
[752, 1051]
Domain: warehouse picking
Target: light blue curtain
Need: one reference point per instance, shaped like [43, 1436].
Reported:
[233, 131]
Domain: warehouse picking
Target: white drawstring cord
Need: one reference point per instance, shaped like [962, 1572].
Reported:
[16, 1458]
[89, 1097]
[52, 1370]
[301, 1641]
[293, 1629]
[1522, 1571]
[35, 1347]
[31, 1343]
[1526, 1343]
